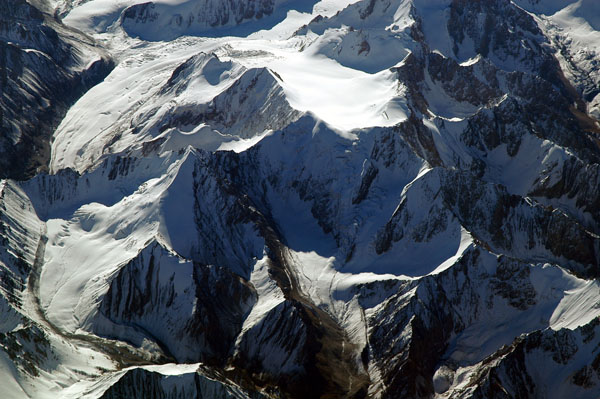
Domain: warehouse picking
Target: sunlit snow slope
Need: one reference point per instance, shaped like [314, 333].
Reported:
[302, 199]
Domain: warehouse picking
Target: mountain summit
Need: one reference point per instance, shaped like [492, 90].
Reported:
[299, 199]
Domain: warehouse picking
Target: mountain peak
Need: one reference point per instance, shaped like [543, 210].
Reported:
[296, 199]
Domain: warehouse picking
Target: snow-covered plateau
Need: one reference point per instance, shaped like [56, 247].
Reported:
[299, 199]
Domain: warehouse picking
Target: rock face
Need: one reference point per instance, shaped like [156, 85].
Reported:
[214, 103]
[148, 294]
[21, 340]
[44, 68]
[164, 384]
[212, 227]
[156, 20]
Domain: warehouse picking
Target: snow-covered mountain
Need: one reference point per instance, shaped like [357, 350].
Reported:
[45, 66]
[300, 199]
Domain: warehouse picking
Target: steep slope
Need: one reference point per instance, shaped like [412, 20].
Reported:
[44, 68]
[573, 28]
[393, 199]
[188, 381]
[164, 21]
[202, 101]
[35, 359]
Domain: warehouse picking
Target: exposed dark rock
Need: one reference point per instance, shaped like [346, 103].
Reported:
[40, 78]
[139, 383]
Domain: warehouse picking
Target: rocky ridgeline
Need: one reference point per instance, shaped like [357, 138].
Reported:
[478, 213]
[44, 68]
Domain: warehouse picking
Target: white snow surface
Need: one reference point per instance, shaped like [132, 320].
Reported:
[342, 88]
[343, 97]
[97, 239]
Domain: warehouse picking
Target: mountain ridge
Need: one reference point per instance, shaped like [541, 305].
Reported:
[366, 199]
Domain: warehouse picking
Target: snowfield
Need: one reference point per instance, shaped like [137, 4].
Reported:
[270, 192]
